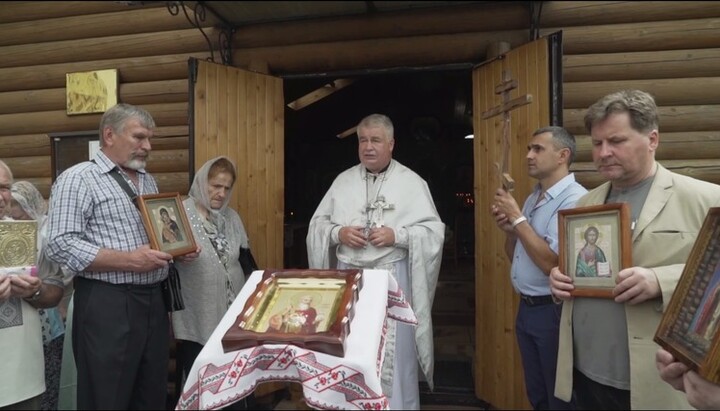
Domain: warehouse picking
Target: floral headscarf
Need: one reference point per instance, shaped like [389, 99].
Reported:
[199, 192]
[216, 222]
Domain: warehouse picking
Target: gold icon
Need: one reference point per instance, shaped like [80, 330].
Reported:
[18, 243]
[91, 91]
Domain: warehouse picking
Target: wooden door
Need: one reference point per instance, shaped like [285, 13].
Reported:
[498, 369]
[240, 114]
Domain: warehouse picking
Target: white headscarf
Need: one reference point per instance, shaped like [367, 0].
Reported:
[215, 226]
[30, 199]
[199, 192]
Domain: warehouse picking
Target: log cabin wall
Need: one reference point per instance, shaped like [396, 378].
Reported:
[42, 41]
[671, 49]
[667, 48]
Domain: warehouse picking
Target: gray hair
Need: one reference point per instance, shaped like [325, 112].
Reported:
[639, 105]
[116, 118]
[561, 138]
[379, 120]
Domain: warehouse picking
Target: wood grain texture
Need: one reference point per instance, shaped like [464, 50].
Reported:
[392, 52]
[382, 26]
[637, 37]
[239, 114]
[664, 64]
[500, 379]
[149, 92]
[646, 45]
[583, 13]
[128, 45]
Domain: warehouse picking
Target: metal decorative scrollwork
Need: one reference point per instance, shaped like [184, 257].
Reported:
[199, 12]
[225, 41]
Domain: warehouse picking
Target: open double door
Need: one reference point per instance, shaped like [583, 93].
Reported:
[240, 114]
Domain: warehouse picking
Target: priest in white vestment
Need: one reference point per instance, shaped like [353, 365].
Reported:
[379, 214]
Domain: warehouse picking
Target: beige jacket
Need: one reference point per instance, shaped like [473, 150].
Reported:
[665, 232]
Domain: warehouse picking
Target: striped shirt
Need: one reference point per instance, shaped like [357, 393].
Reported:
[90, 211]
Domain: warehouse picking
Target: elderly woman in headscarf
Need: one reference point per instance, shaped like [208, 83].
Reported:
[210, 282]
[28, 204]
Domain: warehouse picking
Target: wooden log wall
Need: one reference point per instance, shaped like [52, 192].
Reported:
[669, 49]
[436, 36]
[42, 41]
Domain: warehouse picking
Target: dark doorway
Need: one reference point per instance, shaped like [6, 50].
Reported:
[432, 114]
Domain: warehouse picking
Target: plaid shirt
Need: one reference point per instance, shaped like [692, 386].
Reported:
[89, 211]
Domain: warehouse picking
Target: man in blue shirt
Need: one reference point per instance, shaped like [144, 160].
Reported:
[532, 246]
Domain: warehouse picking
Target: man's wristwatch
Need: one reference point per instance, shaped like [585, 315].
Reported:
[35, 296]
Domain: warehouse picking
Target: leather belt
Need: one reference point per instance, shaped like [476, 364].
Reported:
[125, 286]
[536, 299]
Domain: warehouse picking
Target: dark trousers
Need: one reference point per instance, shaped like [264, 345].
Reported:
[538, 328]
[591, 395]
[121, 342]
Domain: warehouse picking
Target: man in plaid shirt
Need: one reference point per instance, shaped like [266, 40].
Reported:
[120, 324]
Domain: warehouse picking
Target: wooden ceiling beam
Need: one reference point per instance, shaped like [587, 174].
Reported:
[347, 132]
[320, 93]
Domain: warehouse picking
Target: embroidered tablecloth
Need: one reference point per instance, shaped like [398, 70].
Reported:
[218, 379]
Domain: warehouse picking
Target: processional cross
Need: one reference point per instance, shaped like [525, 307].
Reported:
[375, 214]
[506, 85]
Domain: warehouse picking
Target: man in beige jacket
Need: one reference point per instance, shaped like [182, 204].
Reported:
[606, 352]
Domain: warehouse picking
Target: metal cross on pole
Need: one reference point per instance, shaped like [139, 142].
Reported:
[506, 85]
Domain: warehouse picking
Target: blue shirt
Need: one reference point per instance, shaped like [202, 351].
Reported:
[89, 211]
[526, 277]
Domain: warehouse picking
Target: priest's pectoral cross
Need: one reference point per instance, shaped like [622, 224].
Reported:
[375, 213]
[506, 85]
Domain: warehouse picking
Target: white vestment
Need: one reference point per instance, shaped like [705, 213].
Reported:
[352, 200]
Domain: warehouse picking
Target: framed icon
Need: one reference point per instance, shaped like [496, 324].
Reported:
[308, 308]
[594, 245]
[18, 243]
[166, 223]
[689, 327]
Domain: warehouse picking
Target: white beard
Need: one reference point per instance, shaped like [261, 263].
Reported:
[135, 164]
[303, 306]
